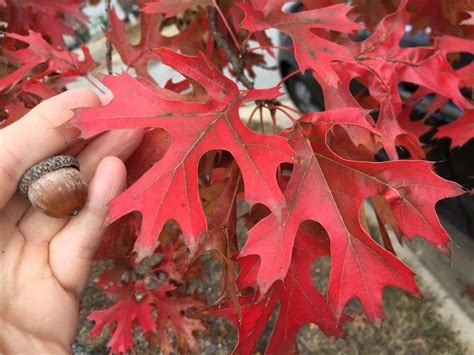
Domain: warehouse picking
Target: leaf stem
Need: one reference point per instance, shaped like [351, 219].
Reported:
[249, 122]
[292, 119]
[268, 47]
[286, 77]
[291, 109]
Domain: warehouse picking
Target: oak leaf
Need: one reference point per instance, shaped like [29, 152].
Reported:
[171, 7]
[300, 302]
[460, 131]
[169, 190]
[331, 190]
[123, 316]
[40, 53]
[312, 50]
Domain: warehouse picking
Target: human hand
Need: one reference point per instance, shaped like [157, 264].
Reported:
[45, 262]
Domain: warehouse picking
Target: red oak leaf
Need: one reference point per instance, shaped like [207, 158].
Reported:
[123, 316]
[425, 66]
[127, 313]
[189, 40]
[136, 56]
[312, 51]
[443, 16]
[65, 63]
[26, 96]
[383, 69]
[460, 131]
[384, 64]
[219, 202]
[450, 44]
[169, 190]
[300, 302]
[255, 315]
[16, 109]
[175, 262]
[330, 190]
[171, 7]
[171, 315]
[53, 19]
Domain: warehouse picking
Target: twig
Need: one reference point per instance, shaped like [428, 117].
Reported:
[266, 67]
[226, 24]
[237, 64]
[235, 61]
[108, 44]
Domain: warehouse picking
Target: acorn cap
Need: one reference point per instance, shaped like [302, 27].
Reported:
[44, 167]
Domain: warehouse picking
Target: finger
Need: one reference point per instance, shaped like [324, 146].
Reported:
[39, 135]
[36, 226]
[76, 148]
[15, 209]
[8, 230]
[73, 249]
[119, 143]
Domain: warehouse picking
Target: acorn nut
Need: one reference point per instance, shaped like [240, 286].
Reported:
[55, 186]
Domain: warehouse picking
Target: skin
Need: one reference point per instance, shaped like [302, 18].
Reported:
[45, 262]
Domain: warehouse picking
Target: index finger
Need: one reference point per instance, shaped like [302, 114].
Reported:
[38, 135]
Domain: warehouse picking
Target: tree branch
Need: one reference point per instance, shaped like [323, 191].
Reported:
[108, 44]
[235, 61]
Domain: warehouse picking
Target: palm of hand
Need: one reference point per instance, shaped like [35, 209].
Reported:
[33, 302]
[45, 262]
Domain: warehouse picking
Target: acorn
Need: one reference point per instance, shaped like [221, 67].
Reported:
[55, 186]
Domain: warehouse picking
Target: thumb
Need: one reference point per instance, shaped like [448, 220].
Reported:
[72, 250]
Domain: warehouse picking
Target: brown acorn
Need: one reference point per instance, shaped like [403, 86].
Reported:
[55, 186]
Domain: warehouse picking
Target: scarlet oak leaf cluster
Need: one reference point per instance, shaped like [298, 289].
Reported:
[300, 302]
[125, 313]
[459, 131]
[319, 190]
[207, 187]
[312, 51]
[169, 190]
[151, 302]
[171, 316]
[128, 313]
[170, 7]
[139, 56]
[53, 19]
[384, 65]
[39, 52]
[36, 72]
